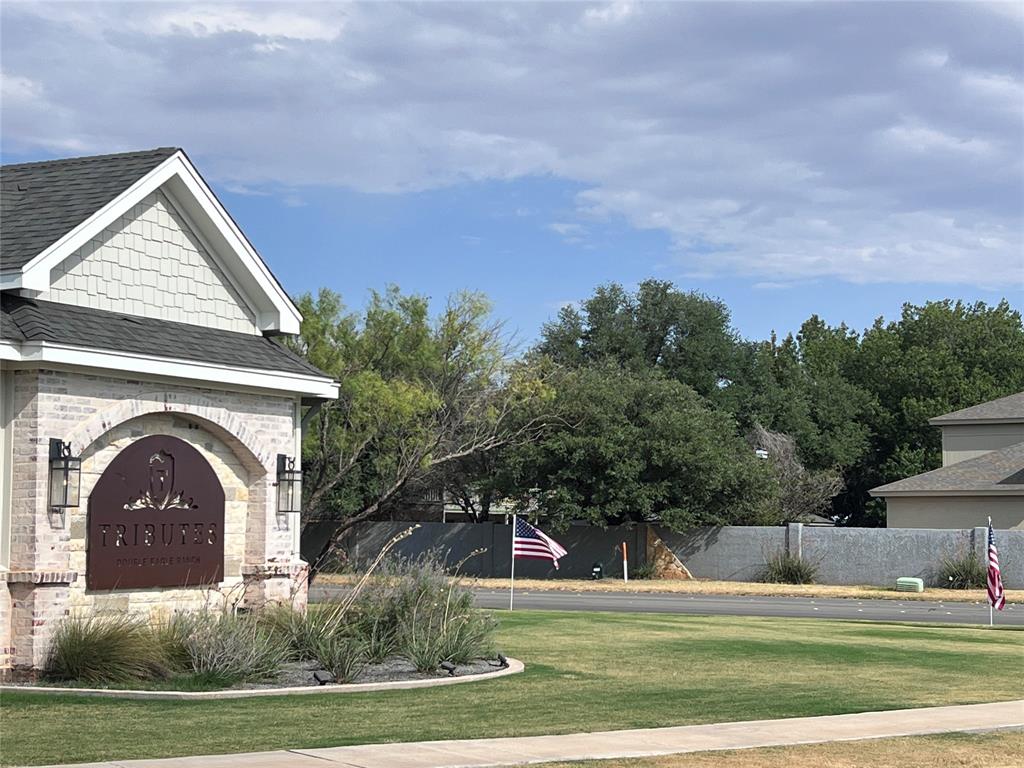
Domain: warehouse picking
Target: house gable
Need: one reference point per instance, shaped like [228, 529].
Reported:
[180, 183]
[151, 263]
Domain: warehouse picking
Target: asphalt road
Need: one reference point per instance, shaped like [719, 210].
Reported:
[726, 605]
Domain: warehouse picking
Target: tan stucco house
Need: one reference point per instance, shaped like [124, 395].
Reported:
[982, 473]
[150, 425]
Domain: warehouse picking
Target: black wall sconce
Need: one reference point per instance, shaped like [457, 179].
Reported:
[65, 476]
[289, 485]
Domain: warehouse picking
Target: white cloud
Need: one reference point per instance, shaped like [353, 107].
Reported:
[566, 228]
[868, 142]
[609, 13]
[204, 21]
[19, 90]
[922, 139]
[928, 58]
[1002, 90]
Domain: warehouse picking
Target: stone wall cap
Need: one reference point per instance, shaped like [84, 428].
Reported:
[39, 577]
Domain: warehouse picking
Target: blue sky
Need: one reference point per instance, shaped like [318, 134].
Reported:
[790, 159]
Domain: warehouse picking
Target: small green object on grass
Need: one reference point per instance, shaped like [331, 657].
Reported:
[909, 584]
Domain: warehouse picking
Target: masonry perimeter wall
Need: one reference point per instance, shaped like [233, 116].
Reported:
[456, 541]
[872, 556]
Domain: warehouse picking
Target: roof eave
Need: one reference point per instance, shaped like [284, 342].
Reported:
[296, 384]
[882, 492]
[943, 421]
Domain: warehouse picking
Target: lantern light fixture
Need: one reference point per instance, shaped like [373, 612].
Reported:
[65, 475]
[289, 485]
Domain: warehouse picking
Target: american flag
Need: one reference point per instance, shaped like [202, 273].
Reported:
[532, 543]
[996, 596]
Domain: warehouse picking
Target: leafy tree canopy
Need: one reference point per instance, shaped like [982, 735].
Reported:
[684, 335]
[638, 447]
[417, 393]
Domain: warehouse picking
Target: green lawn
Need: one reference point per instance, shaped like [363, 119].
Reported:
[948, 750]
[584, 672]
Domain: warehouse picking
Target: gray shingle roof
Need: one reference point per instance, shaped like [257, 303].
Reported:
[1009, 408]
[41, 202]
[993, 472]
[27, 320]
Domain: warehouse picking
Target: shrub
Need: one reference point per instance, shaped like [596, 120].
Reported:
[420, 639]
[171, 635]
[416, 610]
[467, 637]
[645, 571]
[301, 631]
[442, 625]
[962, 570]
[233, 649]
[380, 637]
[342, 656]
[104, 649]
[781, 567]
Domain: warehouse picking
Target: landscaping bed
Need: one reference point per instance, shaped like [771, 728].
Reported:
[414, 623]
[291, 676]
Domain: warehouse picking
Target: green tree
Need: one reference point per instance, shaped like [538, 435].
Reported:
[685, 335]
[417, 393]
[802, 387]
[638, 447]
[937, 358]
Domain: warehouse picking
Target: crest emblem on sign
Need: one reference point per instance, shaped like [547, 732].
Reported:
[161, 494]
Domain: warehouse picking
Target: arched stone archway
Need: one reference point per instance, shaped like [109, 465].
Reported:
[247, 499]
[232, 428]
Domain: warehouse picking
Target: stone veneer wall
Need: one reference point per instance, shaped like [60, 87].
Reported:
[6, 640]
[240, 434]
[150, 263]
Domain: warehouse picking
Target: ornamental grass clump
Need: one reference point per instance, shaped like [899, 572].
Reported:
[344, 657]
[232, 649]
[962, 570]
[104, 649]
[302, 631]
[437, 621]
[781, 567]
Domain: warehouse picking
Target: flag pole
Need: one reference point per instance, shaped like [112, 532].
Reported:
[988, 564]
[512, 579]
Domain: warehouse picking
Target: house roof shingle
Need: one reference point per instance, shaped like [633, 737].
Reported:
[29, 320]
[999, 471]
[1003, 409]
[41, 202]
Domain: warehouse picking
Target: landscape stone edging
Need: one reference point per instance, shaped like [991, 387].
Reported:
[514, 667]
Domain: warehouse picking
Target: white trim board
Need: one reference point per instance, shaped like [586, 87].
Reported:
[162, 368]
[193, 197]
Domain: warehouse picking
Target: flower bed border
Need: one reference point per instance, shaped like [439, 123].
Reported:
[514, 667]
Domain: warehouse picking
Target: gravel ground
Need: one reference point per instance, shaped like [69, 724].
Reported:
[301, 673]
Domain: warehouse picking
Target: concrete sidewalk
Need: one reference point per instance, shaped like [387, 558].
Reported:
[471, 753]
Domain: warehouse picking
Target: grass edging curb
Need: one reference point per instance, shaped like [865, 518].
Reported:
[514, 667]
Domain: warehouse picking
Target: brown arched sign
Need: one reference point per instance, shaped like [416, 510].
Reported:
[156, 519]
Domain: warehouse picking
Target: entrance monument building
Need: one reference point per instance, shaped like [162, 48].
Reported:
[151, 423]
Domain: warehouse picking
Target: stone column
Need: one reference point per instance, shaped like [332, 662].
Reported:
[37, 604]
[794, 539]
